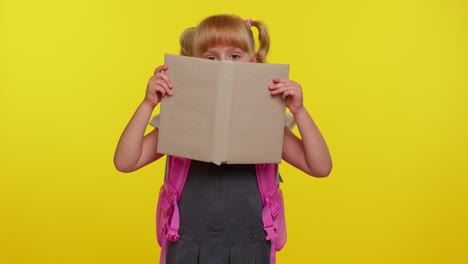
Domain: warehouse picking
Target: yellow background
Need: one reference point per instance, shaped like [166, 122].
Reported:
[386, 81]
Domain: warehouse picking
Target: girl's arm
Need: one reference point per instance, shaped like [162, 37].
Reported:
[134, 149]
[309, 154]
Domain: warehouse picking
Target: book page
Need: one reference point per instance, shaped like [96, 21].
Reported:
[222, 111]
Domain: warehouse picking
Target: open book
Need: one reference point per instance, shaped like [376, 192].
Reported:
[222, 111]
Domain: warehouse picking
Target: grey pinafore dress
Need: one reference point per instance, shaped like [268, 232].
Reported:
[220, 217]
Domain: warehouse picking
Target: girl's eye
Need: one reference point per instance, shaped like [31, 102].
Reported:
[235, 56]
[211, 58]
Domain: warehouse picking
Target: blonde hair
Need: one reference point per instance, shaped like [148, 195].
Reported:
[225, 30]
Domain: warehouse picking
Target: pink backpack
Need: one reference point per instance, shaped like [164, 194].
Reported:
[167, 218]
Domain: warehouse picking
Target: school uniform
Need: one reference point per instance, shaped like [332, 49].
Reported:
[220, 217]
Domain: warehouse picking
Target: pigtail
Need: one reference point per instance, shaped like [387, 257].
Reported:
[263, 39]
[186, 40]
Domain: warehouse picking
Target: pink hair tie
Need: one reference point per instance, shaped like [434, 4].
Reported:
[249, 22]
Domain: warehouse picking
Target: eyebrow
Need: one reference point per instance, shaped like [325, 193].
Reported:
[230, 49]
[236, 49]
[208, 54]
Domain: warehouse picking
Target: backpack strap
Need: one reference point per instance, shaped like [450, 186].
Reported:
[268, 184]
[267, 179]
[176, 174]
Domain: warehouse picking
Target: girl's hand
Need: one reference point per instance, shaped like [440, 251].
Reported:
[158, 86]
[291, 91]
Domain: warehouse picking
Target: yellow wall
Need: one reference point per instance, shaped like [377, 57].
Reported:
[386, 82]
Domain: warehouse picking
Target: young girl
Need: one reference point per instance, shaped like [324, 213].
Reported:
[220, 206]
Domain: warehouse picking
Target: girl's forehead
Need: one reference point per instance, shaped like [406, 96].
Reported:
[222, 47]
[209, 40]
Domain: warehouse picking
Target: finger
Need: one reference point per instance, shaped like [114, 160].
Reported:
[284, 84]
[167, 87]
[165, 78]
[160, 76]
[161, 91]
[281, 89]
[276, 86]
[161, 68]
[287, 93]
[277, 91]
[161, 84]
[161, 79]
[281, 80]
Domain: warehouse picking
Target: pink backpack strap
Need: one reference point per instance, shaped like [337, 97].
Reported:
[268, 184]
[176, 174]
